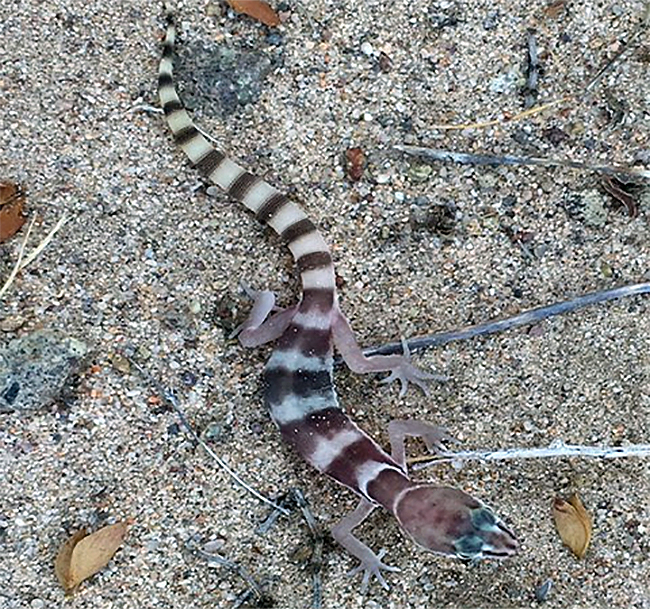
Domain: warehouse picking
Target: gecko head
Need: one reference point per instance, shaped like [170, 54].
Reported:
[447, 521]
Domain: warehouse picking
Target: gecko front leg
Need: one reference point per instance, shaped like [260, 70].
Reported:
[434, 437]
[371, 564]
[399, 366]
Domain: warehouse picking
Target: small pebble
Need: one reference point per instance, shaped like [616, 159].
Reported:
[366, 49]
[541, 594]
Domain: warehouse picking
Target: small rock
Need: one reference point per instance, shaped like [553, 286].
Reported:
[366, 49]
[12, 323]
[34, 369]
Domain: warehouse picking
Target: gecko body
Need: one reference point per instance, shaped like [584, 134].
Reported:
[298, 380]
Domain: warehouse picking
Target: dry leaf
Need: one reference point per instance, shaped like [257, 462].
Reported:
[355, 162]
[257, 10]
[12, 201]
[573, 524]
[84, 555]
[63, 558]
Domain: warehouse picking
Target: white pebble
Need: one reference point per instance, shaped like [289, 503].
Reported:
[366, 49]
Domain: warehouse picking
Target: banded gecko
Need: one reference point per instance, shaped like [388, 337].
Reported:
[298, 382]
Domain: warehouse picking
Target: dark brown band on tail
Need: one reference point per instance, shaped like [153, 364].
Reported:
[208, 163]
[298, 229]
[271, 207]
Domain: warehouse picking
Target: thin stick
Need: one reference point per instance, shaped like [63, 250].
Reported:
[45, 242]
[554, 450]
[17, 266]
[499, 121]
[295, 498]
[466, 158]
[170, 398]
[526, 318]
[645, 20]
[253, 586]
[316, 560]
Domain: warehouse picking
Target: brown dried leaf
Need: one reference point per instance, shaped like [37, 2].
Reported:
[63, 558]
[12, 201]
[356, 161]
[257, 10]
[84, 555]
[573, 523]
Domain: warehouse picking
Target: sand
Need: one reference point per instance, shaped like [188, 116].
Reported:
[149, 264]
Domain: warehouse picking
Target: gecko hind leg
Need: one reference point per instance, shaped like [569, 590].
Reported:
[266, 322]
[400, 367]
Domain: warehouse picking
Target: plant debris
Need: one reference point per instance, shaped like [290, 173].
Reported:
[12, 201]
[256, 9]
[83, 555]
[573, 523]
[355, 163]
[532, 72]
[623, 193]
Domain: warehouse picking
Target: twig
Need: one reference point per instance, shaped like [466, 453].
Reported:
[532, 72]
[45, 242]
[645, 21]
[508, 119]
[465, 158]
[556, 449]
[254, 587]
[17, 266]
[526, 318]
[170, 398]
[295, 498]
[22, 263]
[316, 559]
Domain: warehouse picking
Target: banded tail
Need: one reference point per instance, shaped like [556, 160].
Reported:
[270, 206]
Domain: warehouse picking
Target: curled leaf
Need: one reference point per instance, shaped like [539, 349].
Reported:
[83, 555]
[257, 10]
[573, 523]
[12, 201]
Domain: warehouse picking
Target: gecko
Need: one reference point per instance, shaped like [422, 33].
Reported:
[299, 390]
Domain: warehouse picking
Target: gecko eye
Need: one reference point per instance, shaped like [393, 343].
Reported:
[469, 548]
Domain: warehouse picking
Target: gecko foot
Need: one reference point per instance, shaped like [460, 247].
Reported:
[372, 567]
[405, 372]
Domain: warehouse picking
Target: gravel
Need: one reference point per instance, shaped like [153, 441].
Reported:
[148, 256]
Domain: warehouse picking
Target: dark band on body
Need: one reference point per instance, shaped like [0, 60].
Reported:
[363, 450]
[165, 79]
[315, 260]
[311, 342]
[172, 106]
[317, 298]
[281, 382]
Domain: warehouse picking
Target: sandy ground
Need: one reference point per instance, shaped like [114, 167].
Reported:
[147, 259]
